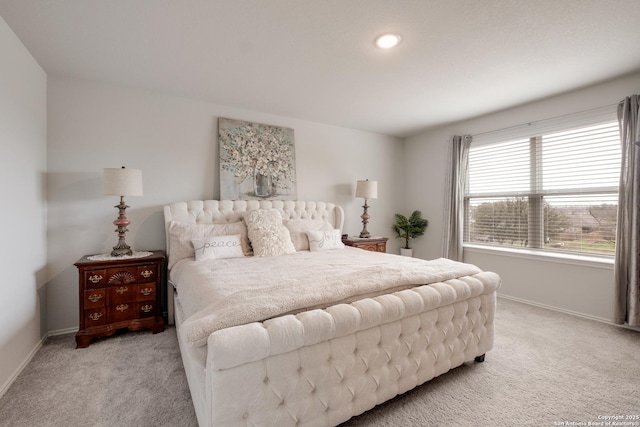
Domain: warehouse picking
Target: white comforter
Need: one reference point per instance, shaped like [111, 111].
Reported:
[221, 293]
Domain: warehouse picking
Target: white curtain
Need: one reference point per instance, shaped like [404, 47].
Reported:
[454, 197]
[627, 298]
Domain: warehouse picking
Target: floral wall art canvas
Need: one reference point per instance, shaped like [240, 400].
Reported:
[257, 161]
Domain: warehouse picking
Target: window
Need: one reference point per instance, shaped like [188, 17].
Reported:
[555, 189]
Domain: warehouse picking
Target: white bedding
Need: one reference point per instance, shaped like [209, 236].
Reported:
[252, 289]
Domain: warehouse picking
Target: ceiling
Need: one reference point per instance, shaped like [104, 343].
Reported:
[316, 60]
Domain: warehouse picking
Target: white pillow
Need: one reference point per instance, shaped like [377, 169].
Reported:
[267, 234]
[324, 240]
[299, 227]
[218, 247]
[181, 235]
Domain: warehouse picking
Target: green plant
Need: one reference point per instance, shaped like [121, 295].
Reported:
[410, 228]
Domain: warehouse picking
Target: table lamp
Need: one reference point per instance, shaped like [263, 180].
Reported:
[367, 190]
[122, 182]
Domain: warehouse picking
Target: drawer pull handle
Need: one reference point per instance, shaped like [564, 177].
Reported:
[95, 278]
[94, 297]
[147, 273]
[146, 308]
[95, 316]
[146, 291]
[122, 289]
[122, 307]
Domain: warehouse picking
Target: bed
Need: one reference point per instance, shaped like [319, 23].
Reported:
[316, 334]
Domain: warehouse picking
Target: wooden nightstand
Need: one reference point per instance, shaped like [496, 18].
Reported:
[121, 293]
[375, 244]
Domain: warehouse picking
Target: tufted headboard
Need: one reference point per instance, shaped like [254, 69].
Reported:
[221, 211]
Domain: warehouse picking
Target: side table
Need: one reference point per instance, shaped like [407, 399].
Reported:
[119, 293]
[375, 244]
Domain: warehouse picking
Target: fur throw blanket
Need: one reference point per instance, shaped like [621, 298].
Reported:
[218, 294]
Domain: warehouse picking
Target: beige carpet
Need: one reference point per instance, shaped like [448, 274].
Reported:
[546, 369]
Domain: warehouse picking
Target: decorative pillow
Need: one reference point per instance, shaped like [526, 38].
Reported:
[218, 247]
[267, 234]
[181, 235]
[299, 227]
[324, 240]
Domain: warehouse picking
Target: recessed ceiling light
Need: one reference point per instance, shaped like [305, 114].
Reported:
[387, 41]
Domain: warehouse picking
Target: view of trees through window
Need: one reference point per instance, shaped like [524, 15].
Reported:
[588, 228]
[554, 192]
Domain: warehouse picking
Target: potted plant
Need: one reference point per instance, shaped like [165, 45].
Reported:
[409, 228]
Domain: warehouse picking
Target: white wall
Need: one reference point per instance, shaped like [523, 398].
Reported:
[584, 289]
[23, 132]
[174, 142]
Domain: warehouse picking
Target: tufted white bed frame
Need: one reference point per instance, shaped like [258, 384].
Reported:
[322, 367]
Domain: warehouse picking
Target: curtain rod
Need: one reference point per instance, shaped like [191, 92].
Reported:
[543, 120]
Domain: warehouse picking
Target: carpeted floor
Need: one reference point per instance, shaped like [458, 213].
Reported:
[546, 369]
[129, 379]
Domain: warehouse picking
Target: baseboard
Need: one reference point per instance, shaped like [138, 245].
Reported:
[23, 365]
[62, 332]
[562, 310]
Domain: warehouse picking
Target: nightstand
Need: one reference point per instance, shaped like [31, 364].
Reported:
[119, 293]
[375, 244]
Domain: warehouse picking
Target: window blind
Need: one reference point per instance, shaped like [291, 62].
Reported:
[553, 189]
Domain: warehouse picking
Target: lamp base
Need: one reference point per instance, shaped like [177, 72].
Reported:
[121, 249]
[364, 234]
[121, 222]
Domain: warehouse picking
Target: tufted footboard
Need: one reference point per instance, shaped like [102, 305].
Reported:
[323, 367]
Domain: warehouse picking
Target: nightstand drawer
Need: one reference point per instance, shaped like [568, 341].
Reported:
[147, 273]
[370, 247]
[122, 311]
[121, 276]
[95, 317]
[146, 309]
[146, 291]
[121, 293]
[95, 279]
[94, 298]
